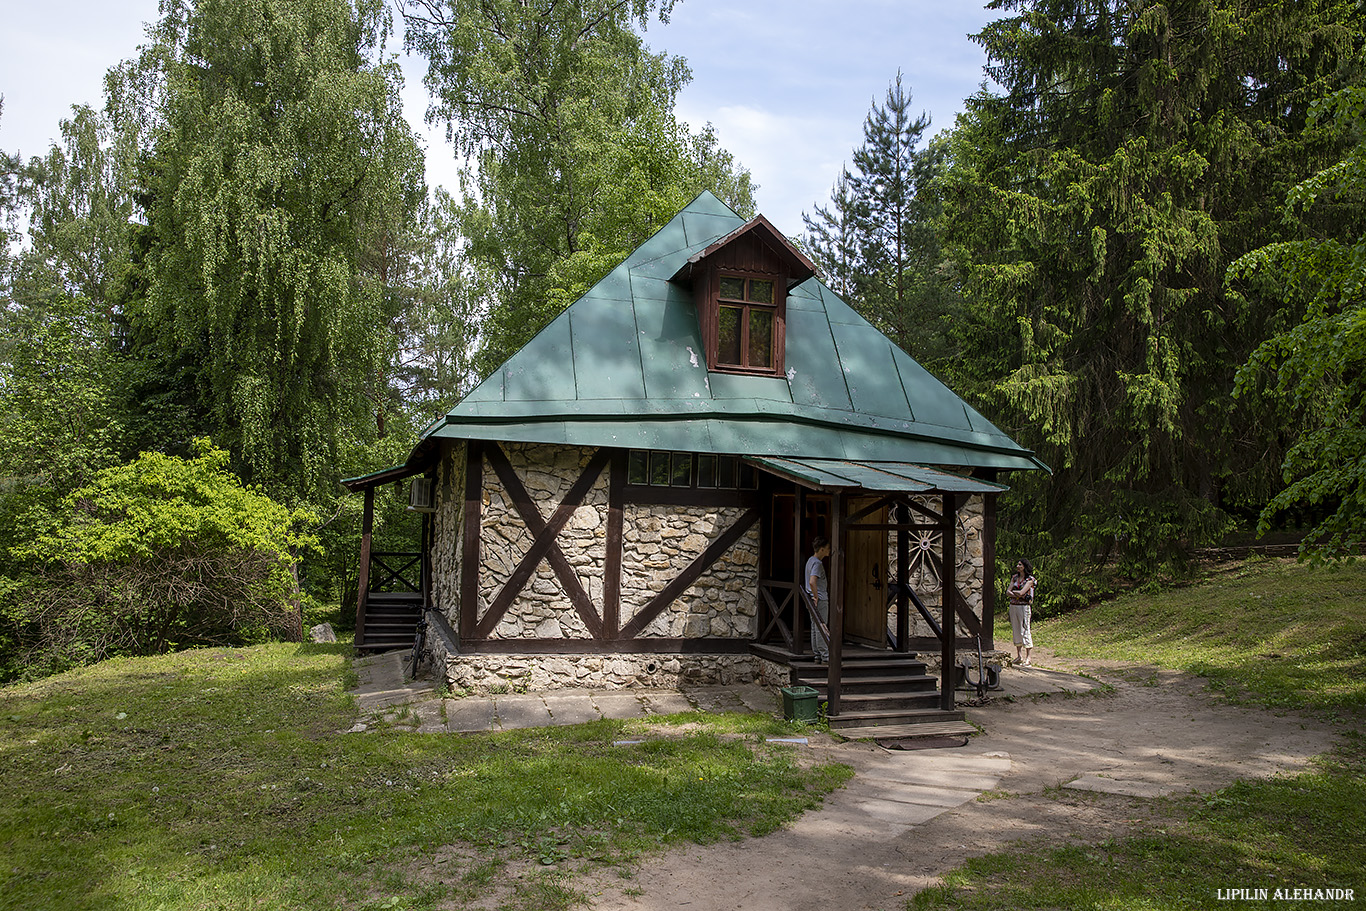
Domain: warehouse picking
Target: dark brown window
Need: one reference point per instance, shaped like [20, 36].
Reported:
[655, 468]
[747, 314]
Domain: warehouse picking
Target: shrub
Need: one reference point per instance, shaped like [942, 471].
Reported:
[163, 553]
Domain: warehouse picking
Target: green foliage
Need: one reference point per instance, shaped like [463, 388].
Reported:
[567, 120]
[280, 161]
[157, 554]
[1092, 208]
[58, 420]
[82, 208]
[877, 243]
[1319, 365]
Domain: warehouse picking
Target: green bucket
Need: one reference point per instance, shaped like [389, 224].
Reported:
[799, 703]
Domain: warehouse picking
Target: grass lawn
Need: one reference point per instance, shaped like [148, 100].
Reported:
[1265, 632]
[218, 779]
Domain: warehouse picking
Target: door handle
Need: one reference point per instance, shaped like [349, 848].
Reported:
[877, 577]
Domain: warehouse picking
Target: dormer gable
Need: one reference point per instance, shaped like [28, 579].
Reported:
[740, 284]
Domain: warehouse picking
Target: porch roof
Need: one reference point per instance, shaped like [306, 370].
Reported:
[880, 477]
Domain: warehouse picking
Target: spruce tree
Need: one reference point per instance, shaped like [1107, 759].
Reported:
[832, 238]
[1094, 204]
[876, 243]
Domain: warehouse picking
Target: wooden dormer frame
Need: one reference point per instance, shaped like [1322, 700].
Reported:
[754, 252]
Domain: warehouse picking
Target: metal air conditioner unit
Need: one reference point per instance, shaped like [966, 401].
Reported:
[420, 496]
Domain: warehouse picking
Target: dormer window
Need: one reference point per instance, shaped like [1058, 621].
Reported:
[747, 314]
[740, 284]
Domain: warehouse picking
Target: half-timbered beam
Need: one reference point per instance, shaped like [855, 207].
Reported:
[684, 580]
[903, 604]
[949, 587]
[470, 556]
[616, 513]
[989, 572]
[544, 544]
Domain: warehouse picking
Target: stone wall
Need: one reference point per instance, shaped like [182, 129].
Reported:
[660, 542]
[542, 610]
[516, 673]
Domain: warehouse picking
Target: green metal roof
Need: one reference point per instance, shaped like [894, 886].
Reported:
[884, 477]
[625, 366]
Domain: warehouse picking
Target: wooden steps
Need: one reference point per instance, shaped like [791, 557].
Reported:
[391, 620]
[882, 694]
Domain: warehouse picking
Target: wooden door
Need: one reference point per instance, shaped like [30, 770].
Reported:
[865, 580]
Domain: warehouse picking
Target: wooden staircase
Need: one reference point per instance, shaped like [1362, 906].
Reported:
[883, 694]
[391, 620]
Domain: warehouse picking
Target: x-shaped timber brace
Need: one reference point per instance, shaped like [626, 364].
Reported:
[604, 627]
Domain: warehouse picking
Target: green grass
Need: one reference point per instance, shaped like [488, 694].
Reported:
[218, 779]
[1272, 632]
[1266, 632]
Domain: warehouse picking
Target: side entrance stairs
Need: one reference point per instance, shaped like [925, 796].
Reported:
[391, 620]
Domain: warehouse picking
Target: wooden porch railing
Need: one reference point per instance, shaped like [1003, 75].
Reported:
[389, 568]
[785, 614]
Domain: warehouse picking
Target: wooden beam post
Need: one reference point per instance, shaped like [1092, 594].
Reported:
[469, 557]
[367, 527]
[989, 572]
[799, 564]
[836, 668]
[949, 589]
[903, 574]
[616, 512]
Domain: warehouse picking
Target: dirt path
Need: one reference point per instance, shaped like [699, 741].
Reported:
[1080, 767]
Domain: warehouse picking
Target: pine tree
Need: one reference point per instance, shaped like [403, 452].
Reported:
[884, 183]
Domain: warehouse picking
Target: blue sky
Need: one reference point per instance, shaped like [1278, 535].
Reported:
[786, 83]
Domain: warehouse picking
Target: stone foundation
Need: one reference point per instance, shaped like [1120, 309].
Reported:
[483, 674]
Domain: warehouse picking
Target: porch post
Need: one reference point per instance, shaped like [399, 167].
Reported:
[949, 587]
[424, 563]
[989, 572]
[839, 532]
[798, 549]
[367, 526]
[903, 572]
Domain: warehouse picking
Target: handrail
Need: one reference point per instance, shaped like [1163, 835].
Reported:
[816, 621]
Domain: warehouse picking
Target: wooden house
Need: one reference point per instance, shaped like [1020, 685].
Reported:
[630, 499]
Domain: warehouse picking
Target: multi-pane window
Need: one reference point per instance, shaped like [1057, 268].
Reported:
[657, 468]
[746, 314]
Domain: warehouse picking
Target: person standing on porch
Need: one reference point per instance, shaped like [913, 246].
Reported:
[1020, 591]
[818, 586]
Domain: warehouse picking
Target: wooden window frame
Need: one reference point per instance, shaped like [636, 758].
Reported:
[737, 475]
[778, 308]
